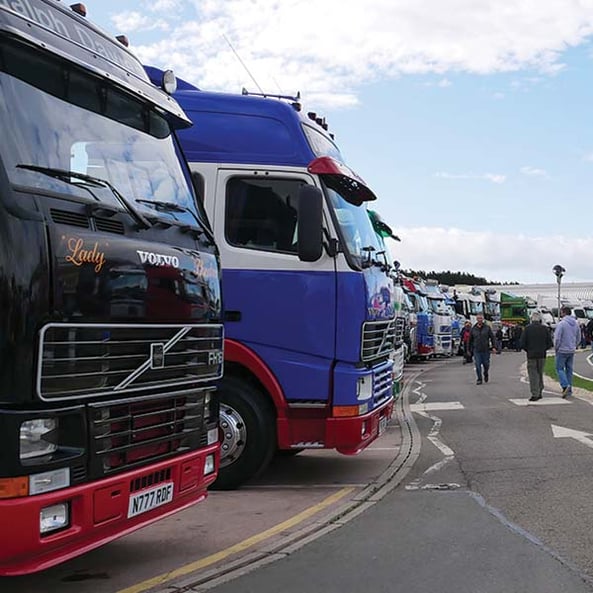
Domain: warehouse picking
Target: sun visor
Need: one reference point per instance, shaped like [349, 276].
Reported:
[342, 179]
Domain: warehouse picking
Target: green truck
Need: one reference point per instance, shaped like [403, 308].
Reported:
[513, 309]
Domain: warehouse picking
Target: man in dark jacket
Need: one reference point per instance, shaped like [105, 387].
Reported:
[536, 339]
[481, 341]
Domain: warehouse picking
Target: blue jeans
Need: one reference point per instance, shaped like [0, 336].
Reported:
[564, 365]
[481, 359]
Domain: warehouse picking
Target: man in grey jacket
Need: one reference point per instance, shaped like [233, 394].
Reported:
[481, 341]
[567, 337]
[536, 340]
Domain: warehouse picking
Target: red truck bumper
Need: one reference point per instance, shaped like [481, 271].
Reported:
[98, 511]
[348, 435]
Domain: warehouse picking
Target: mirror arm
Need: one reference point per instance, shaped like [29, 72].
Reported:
[330, 244]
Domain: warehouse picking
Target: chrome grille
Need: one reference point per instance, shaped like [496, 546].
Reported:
[130, 433]
[383, 385]
[378, 338]
[400, 326]
[82, 361]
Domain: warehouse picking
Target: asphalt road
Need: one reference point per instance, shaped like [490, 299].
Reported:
[583, 363]
[494, 503]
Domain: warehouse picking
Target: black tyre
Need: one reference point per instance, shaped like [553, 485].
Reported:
[288, 452]
[247, 433]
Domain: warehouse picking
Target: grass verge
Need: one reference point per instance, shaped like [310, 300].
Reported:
[550, 371]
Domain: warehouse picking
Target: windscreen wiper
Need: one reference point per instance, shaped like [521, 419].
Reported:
[174, 207]
[65, 175]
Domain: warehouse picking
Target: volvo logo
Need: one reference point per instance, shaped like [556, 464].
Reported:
[157, 356]
[156, 359]
[158, 259]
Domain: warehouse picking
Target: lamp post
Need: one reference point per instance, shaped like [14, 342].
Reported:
[559, 272]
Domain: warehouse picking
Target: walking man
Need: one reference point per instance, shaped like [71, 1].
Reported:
[536, 340]
[481, 341]
[567, 337]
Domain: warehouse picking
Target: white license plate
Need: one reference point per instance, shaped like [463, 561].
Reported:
[382, 424]
[147, 500]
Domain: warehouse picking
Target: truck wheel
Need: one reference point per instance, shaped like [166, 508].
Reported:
[247, 433]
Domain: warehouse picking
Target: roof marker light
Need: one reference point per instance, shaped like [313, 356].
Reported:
[123, 40]
[169, 82]
[78, 9]
[312, 115]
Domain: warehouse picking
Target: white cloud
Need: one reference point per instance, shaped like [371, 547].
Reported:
[335, 45]
[131, 21]
[492, 177]
[167, 6]
[588, 157]
[534, 172]
[496, 256]
[443, 83]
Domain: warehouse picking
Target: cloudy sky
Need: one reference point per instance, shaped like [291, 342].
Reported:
[472, 121]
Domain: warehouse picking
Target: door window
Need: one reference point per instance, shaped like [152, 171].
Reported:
[262, 213]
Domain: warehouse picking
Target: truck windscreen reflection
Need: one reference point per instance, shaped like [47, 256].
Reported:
[159, 294]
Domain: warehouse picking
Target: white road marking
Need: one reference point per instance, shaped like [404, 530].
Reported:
[433, 436]
[435, 406]
[444, 486]
[561, 432]
[546, 401]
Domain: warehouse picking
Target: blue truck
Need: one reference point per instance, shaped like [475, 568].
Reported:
[309, 310]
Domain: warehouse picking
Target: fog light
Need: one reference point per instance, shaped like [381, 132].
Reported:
[54, 517]
[48, 481]
[363, 429]
[213, 436]
[209, 465]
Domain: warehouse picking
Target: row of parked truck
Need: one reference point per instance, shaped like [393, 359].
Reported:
[433, 314]
[190, 283]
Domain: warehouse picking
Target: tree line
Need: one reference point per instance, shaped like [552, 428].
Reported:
[450, 278]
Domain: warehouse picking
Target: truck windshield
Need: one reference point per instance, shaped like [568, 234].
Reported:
[56, 116]
[476, 307]
[356, 231]
[437, 306]
[423, 301]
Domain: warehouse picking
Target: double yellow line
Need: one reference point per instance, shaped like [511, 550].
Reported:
[236, 548]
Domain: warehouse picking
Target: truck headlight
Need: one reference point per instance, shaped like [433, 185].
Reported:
[364, 387]
[37, 438]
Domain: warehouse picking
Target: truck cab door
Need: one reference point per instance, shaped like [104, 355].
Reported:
[281, 307]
